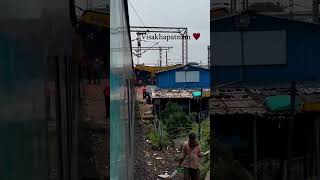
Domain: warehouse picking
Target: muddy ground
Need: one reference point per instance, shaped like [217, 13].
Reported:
[150, 163]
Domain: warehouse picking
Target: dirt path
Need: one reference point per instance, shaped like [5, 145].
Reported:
[150, 163]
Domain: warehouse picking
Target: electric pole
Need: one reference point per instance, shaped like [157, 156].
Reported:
[182, 31]
[166, 58]
[160, 57]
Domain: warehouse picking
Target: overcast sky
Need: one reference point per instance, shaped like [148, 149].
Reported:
[177, 13]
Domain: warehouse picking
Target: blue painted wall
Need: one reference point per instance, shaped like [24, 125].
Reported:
[167, 79]
[303, 51]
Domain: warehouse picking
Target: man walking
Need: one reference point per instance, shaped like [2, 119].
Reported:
[190, 159]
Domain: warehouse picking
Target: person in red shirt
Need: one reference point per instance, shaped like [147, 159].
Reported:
[144, 90]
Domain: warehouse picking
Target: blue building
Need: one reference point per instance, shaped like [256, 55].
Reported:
[187, 76]
[256, 47]
[254, 57]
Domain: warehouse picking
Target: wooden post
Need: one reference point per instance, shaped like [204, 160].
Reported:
[291, 128]
[255, 156]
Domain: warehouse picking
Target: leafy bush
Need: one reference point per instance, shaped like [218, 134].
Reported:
[204, 168]
[178, 120]
[170, 108]
[154, 137]
[173, 118]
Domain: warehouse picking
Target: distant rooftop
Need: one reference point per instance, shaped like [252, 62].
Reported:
[250, 98]
[266, 7]
[176, 93]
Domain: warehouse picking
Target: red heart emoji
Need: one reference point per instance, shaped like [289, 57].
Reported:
[196, 35]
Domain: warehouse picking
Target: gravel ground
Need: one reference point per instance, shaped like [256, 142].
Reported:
[150, 163]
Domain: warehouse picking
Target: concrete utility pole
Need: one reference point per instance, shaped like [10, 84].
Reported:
[145, 49]
[166, 58]
[182, 31]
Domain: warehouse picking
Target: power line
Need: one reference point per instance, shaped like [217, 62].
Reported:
[194, 58]
[136, 13]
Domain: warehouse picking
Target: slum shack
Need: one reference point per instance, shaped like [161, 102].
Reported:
[189, 99]
[272, 130]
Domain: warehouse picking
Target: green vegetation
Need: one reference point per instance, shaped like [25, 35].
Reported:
[156, 142]
[205, 145]
[175, 121]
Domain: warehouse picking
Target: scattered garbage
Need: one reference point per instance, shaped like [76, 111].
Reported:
[206, 153]
[166, 176]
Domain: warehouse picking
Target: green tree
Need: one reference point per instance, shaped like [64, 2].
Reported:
[174, 119]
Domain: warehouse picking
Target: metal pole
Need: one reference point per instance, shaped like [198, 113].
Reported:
[200, 116]
[186, 39]
[166, 58]
[182, 49]
[291, 128]
[160, 58]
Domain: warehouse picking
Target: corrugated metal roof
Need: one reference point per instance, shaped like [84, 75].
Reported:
[248, 99]
[199, 67]
[272, 15]
[174, 93]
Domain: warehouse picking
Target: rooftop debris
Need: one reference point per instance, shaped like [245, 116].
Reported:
[247, 99]
[177, 93]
